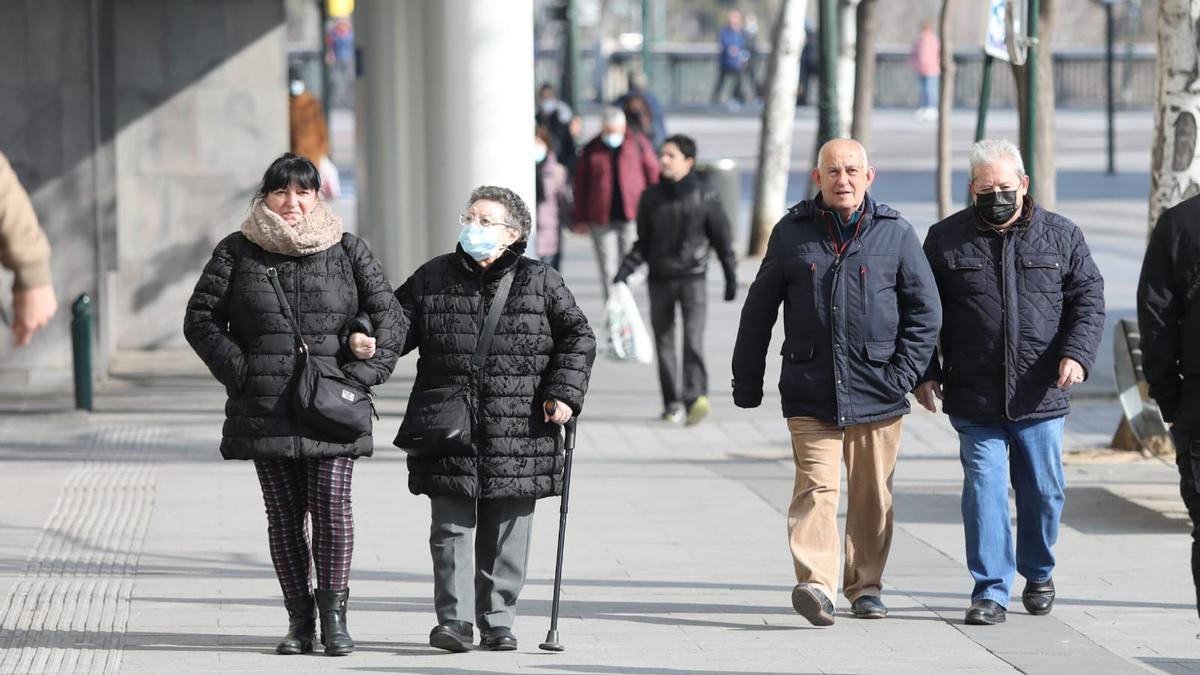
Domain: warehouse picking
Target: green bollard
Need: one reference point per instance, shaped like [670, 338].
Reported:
[81, 348]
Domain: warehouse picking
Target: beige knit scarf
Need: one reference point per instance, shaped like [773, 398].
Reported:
[315, 232]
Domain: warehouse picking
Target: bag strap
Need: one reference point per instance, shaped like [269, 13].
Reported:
[273, 276]
[493, 318]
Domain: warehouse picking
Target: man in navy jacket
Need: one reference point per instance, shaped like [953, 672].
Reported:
[861, 316]
[1024, 311]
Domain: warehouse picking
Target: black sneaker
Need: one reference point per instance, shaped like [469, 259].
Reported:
[985, 613]
[1038, 597]
[810, 603]
[453, 636]
[869, 607]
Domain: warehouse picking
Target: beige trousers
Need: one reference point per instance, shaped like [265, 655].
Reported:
[869, 451]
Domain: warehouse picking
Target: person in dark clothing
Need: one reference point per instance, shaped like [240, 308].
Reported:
[555, 115]
[679, 221]
[1023, 304]
[240, 331]
[733, 60]
[1169, 325]
[533, 380]
[638, 86]
[861, 317]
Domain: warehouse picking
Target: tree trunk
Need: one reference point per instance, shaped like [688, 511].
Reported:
[945, 105]
[847, 31]
[778, 117]
[1044, 186]
[864, 75]
[1174, 171]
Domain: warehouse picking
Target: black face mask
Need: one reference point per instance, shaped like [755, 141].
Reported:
[996, 207]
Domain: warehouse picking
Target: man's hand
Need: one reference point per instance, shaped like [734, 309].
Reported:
[32, 309]
[1069, 373]
[925, 393]
[579, 228]
[556, 411]
[730, 290]
[361, 346]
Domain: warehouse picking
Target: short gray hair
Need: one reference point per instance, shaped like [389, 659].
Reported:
[612, 116]
[516, 213]
[994, 150]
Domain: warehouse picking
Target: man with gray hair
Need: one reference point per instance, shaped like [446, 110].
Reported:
[1023, 304]
[613, 170]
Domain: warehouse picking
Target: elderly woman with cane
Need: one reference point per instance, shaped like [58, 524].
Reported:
[505, 329]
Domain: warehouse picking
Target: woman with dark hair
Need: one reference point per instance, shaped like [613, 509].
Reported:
[553, 200]
[240, 329]
[533, 379]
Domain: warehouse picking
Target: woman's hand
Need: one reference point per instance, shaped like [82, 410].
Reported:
[556, 411]
[362, 346]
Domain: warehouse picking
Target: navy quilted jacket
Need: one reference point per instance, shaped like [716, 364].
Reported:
[1014, 305]
[859, 325]
[543, 348]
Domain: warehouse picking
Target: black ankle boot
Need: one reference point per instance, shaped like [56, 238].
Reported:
[335, 637]
[302, 626]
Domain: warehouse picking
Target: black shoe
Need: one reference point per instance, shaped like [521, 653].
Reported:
[985, 613]
[302, 626]
[1038, 597]
[812, 604]
[498, 640]
[453, 636]
[869, 607]
[334, 635]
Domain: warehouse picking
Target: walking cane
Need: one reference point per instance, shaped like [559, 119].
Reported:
[552, 644]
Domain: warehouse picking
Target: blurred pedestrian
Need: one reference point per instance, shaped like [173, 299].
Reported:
[306, 119]
[243, 335]
[533, 380]
[1169, 324]
[861, 317]
[1023, 307]
[555, 115]
[810, 59]
[553, 199]
[657, 127]
[613, 170]
[733, 59]
[680, 221]
[750, 31]
[25, 251]
[926, 59]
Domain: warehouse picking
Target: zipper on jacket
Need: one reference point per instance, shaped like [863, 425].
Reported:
[1004, 309]
[816, 290]
[296, 359]
[479, 392]
[862, 286]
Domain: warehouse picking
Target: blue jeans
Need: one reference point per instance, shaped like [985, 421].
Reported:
[928, 90]
[1030, 453]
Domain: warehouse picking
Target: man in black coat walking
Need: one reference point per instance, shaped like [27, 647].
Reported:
[861, 316]
[680, 220]
[1169, 324]
[1023, 305]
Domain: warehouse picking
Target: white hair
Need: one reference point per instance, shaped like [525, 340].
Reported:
[612, 117]
[994, 150]
[821, 154]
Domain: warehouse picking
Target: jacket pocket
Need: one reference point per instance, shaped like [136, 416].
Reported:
[966, 275]
[879, 352]
[798, 352]
[1042, 272]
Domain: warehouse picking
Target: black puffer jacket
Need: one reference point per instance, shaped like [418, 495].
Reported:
[1168, 302]
[543, 348]
[678, 224]
[859, 325]
[236, 326]
[1014, 306]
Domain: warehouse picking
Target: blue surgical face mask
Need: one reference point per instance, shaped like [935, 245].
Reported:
[613, 140]
[539, 152]
[481, 242]
[296, 87]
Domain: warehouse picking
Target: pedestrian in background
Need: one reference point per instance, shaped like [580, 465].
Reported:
[680, 222]
[25, 251]
[926, 59]
[553, 199]
[733, 59]
[638, 86]
[1023, 308]
[613, 170]
[1169, 325]
[240, 331]
[533, 380]
[556, 116]
[860, 319]
[306, 119]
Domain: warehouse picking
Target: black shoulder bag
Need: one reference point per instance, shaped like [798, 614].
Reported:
[328, 402]
[439, 422]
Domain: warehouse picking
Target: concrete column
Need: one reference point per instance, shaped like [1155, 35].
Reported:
[446, 104]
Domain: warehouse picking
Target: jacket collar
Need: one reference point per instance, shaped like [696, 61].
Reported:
[811, 208]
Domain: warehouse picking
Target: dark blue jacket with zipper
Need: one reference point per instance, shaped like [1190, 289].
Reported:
[1015, 305]
[860, 319]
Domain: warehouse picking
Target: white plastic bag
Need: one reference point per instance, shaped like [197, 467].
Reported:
[331, 182]
[628, 339]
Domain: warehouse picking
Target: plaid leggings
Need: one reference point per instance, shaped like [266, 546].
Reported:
[293, 489]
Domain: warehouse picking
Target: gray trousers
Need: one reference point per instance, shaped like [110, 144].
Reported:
[611, 241]
[484, 593]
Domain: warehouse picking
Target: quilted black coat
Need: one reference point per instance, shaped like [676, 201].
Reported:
[859, 324]
[235, 324]
[543, 348]
[1014, 305]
